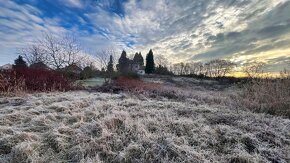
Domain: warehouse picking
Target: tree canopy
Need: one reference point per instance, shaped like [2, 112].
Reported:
[123, 62]
[150, 66]
[138, 59]
[19, 62]
[110, 67]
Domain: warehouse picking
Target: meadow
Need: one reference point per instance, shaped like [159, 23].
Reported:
[156, 119]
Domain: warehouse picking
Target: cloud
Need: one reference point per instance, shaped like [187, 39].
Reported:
[183, 30]
[73, 3]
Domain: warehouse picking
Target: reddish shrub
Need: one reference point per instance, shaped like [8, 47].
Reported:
[32, 80]
[141, 87]
[135, 84]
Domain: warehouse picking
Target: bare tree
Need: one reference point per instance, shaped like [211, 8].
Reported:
[178, 68]
[218, 68]
[34, 54]
[186, 69]
[56, 52]
[254, 69]
[53, 49]
[161, 60]
[103, 58]
[196, 68]
[71, 48]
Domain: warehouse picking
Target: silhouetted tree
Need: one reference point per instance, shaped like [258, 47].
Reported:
[150, 66]
[138, 59]
[123, 63]
[162, 70]
[19, 63]
[161, 60]
[110, 67]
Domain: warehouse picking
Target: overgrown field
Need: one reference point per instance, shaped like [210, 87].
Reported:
[205, 125]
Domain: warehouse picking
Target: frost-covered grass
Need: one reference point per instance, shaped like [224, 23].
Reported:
[99, 127]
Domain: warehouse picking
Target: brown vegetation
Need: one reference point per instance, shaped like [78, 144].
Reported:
[30, 80]
[267, 95]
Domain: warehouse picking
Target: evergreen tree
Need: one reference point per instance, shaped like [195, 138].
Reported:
[123, 64]
[141, 59]
[150, 66]
[138, 59]
[19, 63]
[110, 67]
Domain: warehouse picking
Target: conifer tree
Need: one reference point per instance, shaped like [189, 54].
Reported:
[110, 67]
[123, 63]
[138, 59]
[19, 63]
[150, 66]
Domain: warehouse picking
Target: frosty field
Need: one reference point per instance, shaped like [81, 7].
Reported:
[83, 126]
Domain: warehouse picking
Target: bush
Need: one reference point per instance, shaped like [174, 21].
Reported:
[138, 86]
[270, 96]
[130, 84]
[19, 80]
[10, 83]
[128, 76]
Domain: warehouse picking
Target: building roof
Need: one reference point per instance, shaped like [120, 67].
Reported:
[72, 68]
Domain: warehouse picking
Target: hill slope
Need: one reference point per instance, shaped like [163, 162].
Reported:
[81, 127]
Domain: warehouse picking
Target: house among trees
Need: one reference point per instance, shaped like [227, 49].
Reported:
[135, 65]
[72, 71]
[72, 68]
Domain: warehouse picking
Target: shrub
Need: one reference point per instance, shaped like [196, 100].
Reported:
[19, 80]
[130, 76]
[10, 83]
[267, 95]
[130, 84]
[141, 87]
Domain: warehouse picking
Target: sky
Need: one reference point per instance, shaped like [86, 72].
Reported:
[181, 30]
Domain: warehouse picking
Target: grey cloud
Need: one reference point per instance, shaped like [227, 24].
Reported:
[274, 31]
[277, 64]
[186, 27]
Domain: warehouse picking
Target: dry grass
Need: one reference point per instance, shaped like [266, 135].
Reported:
[267, 95]
[99, 127]
[12, 85]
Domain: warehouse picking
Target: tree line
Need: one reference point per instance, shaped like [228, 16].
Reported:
[213, 68]
[60, 52]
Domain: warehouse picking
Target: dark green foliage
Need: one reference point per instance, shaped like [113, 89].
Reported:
[138, 59]
[123, 63]
[87, 73]
[19, 63]
[150, 66]
[110, 67]
[162, 70]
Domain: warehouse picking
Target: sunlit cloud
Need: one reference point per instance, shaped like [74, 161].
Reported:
[183, 31]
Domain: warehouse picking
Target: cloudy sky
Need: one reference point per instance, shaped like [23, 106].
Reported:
[182, 30]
